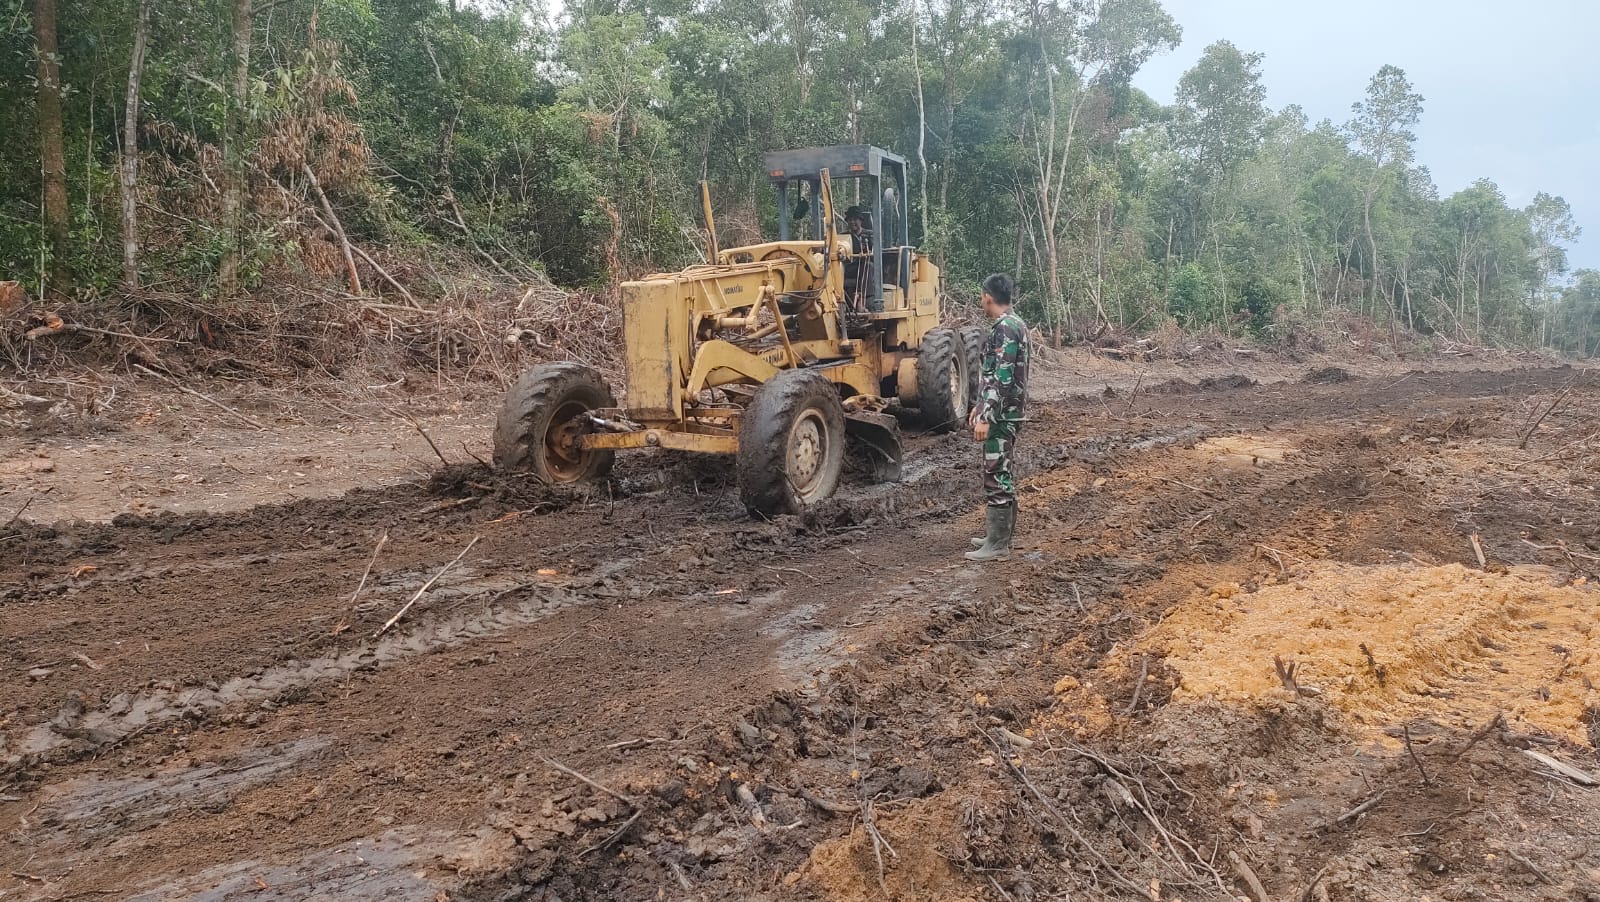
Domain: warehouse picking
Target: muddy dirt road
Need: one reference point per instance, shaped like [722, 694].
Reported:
[636, 692]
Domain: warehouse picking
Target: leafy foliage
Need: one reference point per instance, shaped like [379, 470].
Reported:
[569, 147]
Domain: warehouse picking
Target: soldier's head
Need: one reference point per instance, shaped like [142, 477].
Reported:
[997, 295]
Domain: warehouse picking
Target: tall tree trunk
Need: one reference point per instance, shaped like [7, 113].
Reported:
[922, 120]
[130, 152]
[52, 150]
[234, 158]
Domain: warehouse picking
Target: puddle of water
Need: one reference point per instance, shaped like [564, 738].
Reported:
[807, 648]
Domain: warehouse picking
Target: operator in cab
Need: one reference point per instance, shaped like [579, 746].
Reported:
[998, 415]
[858, 272]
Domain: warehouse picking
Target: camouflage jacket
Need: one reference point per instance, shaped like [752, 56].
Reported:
[1003, 386]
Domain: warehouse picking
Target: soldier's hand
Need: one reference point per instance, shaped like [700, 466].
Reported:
[980, 432]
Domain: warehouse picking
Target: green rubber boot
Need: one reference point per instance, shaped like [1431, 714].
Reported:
[1002, 521]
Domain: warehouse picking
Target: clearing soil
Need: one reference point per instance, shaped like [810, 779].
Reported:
[1248, 649]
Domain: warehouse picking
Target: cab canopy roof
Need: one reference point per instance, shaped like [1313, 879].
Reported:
[843, 161]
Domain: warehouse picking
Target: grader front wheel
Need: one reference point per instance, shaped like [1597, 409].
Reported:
[543, 419]
[791, 444]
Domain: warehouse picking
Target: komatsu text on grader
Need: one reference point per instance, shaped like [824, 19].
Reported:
[772, 352]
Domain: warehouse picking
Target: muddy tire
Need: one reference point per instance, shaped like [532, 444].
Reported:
[972, 348]
[791, 444]
[542, 418]
[942, 381]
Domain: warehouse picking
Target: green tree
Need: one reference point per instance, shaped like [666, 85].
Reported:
[1382, 131]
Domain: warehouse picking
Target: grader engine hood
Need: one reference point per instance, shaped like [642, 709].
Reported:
[670, 323]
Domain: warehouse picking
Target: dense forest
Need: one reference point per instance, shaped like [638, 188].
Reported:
[216, 148]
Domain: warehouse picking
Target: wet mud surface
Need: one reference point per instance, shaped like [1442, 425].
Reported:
[635, 692]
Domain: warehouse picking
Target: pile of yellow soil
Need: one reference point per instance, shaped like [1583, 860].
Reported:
[1448, 643]
[926, 838]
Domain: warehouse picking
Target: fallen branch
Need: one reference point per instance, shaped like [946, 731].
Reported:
[204, 397]
[1532, 868]
[1363, 808]
[1249, 877]
[1309, 894]
[425, 587]
[626, 744]
[1478, 734]
[590, 782]
[21, 398]
[878, 843]
[20, 511]
[1580, 777]
[1062, 820]
[422, 432]
[382, 540]
[789, 570]
[1144, 670]
[822, 804]
[1405, 731]
[337, 228]
[612, 839]
[1534, 426]
[1477, 550]
[385, 274]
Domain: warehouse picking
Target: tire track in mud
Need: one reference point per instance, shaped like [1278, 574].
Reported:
[893, 706]
[1088, 530]
[75, 731]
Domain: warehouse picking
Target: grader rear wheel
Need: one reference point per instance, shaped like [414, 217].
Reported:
[942, 381]
[791, 444]
[543, 419]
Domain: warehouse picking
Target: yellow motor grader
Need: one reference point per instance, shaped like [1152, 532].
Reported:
[774, 353]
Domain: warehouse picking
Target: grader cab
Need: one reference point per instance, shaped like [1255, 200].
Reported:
[775, 353]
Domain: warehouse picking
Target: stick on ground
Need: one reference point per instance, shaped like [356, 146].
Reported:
[1363, 808]
[1478, 734]
[1405, 731]
[425, 587]
[21, 510]
[382, 540]
[590, 782]
[1249, 877]
[204, 397]
[425, 437]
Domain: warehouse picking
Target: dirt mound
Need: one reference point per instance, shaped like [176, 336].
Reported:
[1225, 383]
[1328, 375]
[1391, 643]
[1208, 384]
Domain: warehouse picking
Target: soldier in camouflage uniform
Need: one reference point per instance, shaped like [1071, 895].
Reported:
[997, 416]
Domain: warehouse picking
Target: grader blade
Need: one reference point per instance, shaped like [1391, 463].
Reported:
[879, 435]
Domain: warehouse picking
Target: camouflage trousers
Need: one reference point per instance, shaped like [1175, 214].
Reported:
[998, 448]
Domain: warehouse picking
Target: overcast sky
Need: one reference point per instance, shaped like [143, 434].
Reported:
[1512, 87]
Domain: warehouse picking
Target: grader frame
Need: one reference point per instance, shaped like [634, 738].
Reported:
[756, 353]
